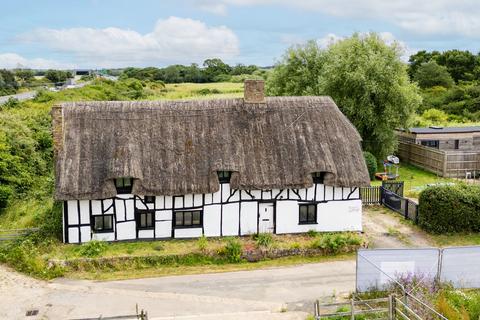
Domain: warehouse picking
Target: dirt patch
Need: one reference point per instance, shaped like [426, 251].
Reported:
[385, 229]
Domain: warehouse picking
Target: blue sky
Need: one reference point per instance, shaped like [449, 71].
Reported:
[108, 33]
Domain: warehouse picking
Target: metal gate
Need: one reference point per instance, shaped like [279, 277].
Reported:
[394, 186]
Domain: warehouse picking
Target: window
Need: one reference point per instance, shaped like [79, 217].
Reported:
[123, 185]
[188, 219]
[318, 177]
[149, 199]
[103, 223]
[430, 143]
[457, 144]
[308, 214]
[145, 219]
[224, 176]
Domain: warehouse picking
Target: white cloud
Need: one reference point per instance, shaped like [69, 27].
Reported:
[439, 17]
[13, 61]
[328, 40]
[173, 40]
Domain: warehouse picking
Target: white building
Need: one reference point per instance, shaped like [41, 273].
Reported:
[225, 167]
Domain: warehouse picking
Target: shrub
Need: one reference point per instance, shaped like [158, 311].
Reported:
[371, 162]
[450, 209]
[202, 243]
[263, 240]
[93, 248]
[312, 233]
[335, 242]
[233, 250]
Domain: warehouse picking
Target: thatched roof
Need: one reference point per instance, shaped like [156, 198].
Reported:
[176, 147]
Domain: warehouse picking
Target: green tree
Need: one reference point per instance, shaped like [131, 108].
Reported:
[417, 59]
[57, 76]
[460, 64]
[363, 75]
[298, 72]
[24, 75]
[8, 84]
[215, 68]
[430, 74]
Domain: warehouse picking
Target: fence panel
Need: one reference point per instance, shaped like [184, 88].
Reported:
[404, 206]
[370, 195]
[461, 266]
[378, 268]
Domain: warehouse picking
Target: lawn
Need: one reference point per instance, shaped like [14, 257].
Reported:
[196, 91]
[416, 179]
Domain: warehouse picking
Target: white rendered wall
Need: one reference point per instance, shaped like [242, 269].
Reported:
[221, 213]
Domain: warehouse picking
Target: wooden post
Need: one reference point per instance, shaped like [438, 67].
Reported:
[445, 159]
[352, 306]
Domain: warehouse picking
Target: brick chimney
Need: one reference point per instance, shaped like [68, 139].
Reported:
[254, 91]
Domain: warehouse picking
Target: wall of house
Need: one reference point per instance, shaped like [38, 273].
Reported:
[228, 212]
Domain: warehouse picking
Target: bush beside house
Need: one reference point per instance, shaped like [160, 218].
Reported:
[450, 209]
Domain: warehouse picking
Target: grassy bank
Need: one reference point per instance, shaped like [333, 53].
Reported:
[41, 256]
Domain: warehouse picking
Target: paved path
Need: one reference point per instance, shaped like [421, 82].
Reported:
[20, 96]
[258, 294]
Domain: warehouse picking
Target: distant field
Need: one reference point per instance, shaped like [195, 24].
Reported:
[197, 91]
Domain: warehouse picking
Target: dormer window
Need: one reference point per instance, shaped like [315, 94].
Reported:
[224, 176]
[124, 185]
[318, 177]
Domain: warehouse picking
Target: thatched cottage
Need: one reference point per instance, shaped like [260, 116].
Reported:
[180, 169]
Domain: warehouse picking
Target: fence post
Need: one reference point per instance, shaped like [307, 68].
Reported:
[391, 307]
[352, 306]
[406, 209]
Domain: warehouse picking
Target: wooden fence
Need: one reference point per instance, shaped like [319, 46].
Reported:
[12, 234]
[451, 164]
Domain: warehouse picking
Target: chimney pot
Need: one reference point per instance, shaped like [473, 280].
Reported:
[254, 91]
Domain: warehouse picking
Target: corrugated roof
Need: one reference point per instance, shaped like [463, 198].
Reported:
[445, 129]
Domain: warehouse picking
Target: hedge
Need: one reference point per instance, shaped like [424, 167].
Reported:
[371, 162]
[450, 209]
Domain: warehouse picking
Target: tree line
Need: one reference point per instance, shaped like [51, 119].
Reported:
[212, 70]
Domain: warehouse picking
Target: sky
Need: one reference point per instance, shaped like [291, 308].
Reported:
[119, 33]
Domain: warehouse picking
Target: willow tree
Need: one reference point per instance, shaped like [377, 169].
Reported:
[364, 76]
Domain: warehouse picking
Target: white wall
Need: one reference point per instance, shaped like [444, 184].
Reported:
[221, 212]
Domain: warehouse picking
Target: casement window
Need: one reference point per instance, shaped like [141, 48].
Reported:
[188, 219]
[124, 185]
[307, 213]
[430, 143]
[224, 176]
[145, 219]
[318, 177]
[103, 223]
[149, 199]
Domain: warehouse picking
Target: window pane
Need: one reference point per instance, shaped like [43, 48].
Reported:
[179, 218]
[143, 220]
[149, 219]
[303, 213]
[107, 222]
[127, 182]
[119, 182]
[311, 213]
[196, 218]
[187, 218]
[98, 223]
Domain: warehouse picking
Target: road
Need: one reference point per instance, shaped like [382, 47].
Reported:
[276, 293]
[20, 96]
